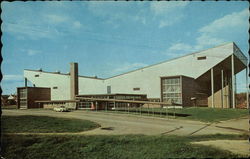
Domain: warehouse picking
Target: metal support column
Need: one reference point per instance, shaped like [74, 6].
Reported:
[140, 109]
[222, 89]
[148, 109]
[233, 82]
[166, 111]
[96, 106]
[226, 90]
[247, 91]
[160, 111]
[128, 107]
[106, 108]
[212, 87]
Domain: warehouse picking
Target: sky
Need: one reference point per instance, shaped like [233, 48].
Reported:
[110, 38]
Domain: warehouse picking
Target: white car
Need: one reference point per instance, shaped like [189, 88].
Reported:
[61, 109]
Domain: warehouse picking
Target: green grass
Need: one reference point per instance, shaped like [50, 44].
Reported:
[9, 107]
[194, 113]
[98, 146]
[213, 114]
[44, 124]
[112, 147]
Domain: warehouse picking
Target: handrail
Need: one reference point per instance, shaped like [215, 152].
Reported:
[122, 101]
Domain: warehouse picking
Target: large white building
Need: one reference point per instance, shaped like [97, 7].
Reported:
[207, 76]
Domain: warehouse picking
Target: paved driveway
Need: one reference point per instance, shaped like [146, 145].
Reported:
[117, 124]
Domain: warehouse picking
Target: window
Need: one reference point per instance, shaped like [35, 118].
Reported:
[171, 90]
[84, 105]
[55, 87]
[23, 93]
[108, 89]
[36, 75]
[136, 89]
[202, 58]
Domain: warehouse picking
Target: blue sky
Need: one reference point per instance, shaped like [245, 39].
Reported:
[109, 38]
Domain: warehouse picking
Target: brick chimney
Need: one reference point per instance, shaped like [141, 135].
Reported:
[73, 80]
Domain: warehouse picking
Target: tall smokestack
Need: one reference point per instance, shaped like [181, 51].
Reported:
[73, 80]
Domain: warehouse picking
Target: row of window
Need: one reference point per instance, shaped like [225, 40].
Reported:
[84, 105]
[116, 97]
[109, 89]
[171, 90]
[169, 95]
[128, 97]
[172, 100]
[174, 81]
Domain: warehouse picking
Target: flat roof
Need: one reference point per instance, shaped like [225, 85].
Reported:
[113, 94]
[35, 87]
[59, 73]
[55, 101]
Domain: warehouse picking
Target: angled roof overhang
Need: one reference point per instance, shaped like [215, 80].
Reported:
[237, 52]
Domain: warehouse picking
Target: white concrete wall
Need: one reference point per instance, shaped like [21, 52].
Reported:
[62, 82]
[91, 86]
[147, 79]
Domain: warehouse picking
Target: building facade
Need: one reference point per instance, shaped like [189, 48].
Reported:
[204, 78]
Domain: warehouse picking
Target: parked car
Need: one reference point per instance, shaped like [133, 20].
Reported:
[61, 109]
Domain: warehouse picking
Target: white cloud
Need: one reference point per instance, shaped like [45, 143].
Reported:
[140, 19]
[30, 52]
[178, 49]
[162, 12]
[208, 40]
[50, 21]
[223, 29]
[102, 8]
[161, 8]
[9, 87]
[116, 12]
[180, 46]
[219, 31]
[169, 20]
[164, 23]
[236, 19]
[56, 19]
[128, 67]
[33, 52]
[168, 13]
[12, 77]
[77, 24]
[26, 29]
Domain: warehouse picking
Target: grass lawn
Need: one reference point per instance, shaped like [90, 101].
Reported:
[112, 147]
[192, 113]
[98, 146]
[212, 114]
[9, 107]
[44, 124]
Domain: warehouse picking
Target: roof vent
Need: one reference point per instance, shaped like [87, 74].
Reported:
[202, 58]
